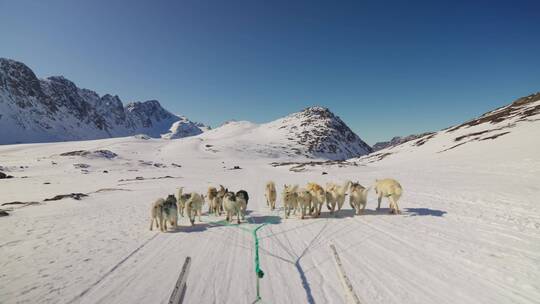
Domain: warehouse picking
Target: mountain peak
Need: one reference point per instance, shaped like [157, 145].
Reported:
[322, 134]
[55, 109]
[316, 109]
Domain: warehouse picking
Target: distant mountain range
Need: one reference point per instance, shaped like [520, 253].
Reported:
[55, 109]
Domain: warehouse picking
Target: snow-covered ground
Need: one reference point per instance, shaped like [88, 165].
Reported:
[469, 232]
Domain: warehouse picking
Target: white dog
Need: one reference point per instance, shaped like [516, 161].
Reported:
[155, 213]
[181, 200]
[358, 197]
[304, 201]
[317, 197]
[335, 195]
[194, 206]
[391, 189]
[340, 194]
[270, 195]
[231, 206]
[290, 199]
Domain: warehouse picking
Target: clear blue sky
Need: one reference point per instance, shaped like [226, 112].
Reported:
[385, 67]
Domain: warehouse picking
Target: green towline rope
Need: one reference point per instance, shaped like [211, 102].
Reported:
[259, 273]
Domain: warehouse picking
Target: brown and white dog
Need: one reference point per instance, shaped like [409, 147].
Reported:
[358, 197]
[270, 194]
[290, 199]
[317, 197]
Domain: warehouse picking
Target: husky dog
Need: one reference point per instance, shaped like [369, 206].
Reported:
[216, 204]
[317, 197]
[304, 201]
[391, 189]
[290, 199]
[331, 199]
[231, 206]
[169, 212]
[358, 197]
[181, 199]
[215, 200]
[194, 206]
[210, 195]
[270, 195]
[242, 198]
[156, 214]
[221, 192]
[340, 194]
[335, 195]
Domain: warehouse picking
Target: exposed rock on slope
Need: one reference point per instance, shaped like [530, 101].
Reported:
[321, 134]
[517, 124]
[314, 132]
[519, 110]
[398, 140]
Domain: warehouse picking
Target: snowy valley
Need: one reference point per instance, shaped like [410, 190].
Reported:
[469, 231]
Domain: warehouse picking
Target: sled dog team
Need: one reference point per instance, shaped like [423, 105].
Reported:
[307, 201]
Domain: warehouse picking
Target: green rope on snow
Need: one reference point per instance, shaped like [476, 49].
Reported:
[259, 273]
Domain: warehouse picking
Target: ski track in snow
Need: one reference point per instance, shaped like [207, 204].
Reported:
[465, 236]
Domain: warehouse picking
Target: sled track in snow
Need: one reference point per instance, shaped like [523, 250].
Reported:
[104, 276]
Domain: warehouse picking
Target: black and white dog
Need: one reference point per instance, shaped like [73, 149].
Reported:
[169, 212]
[242, 197]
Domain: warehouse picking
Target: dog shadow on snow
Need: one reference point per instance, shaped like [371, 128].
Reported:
[198, 227]
[424, 212]
[265, 219]
[407, 211]
[343, 213]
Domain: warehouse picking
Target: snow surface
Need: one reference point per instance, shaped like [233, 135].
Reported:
[469, 232]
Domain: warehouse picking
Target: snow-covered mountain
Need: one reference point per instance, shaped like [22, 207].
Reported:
[55, 109]
[314, 132]
[397, 140]
[510, 129]
[184, 128]
[469, 228]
